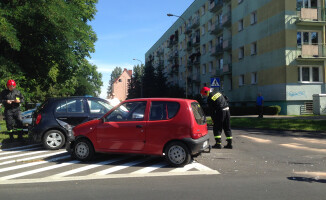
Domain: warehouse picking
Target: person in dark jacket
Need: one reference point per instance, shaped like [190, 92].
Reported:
[220, 113]
[11, 98]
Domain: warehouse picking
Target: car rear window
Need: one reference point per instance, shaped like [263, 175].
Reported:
[70, 106]
[198, 113]
[163, 110]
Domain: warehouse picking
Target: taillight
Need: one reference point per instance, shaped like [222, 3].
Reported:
[196, 135]
[38, 118]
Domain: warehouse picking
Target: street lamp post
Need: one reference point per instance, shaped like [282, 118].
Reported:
[172, 15]
[141, 81]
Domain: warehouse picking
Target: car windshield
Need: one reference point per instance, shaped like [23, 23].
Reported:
[132, 111]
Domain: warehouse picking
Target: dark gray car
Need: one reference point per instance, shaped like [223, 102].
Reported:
[54, 119]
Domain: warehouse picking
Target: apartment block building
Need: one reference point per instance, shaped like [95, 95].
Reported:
[273, 47]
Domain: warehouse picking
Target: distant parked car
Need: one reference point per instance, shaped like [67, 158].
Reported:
[27, 116]
[56, 116]
[172, 127]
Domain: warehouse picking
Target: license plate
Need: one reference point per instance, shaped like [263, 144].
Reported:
[205, 144]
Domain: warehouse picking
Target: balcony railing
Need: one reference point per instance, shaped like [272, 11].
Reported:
[216, 28]
[215, 5]
[226, 19]
[311, 51]
[188, 28]
[195, 41]
[227, 44]
[217, 50]
[195, 22]
[227, 68]
[311, 16]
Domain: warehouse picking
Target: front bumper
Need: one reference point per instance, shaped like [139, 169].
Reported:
[199, 145]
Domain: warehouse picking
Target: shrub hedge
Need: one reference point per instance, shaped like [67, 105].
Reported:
[236, 111]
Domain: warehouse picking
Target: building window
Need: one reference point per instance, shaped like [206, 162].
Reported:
[307, 38]
[210, 67]
[204, 49]
[308, 74]
[209, 25]
[253, 18]
[221, 63]
[203, 30]
[253, 48]
[220, 18]
[241, 53]
[254, 78]
[241, 80]
[120, 80]
[210, 46]
[204, 69]
[307, 3]
[203, 10]
[240, 1]
[240, 25]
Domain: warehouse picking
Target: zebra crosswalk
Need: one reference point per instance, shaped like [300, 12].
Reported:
[32, 164]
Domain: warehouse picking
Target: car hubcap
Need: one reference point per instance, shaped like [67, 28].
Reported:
[54, 140]
[82, 150]
[177, 154]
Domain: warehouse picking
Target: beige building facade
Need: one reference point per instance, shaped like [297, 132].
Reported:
[120, 85]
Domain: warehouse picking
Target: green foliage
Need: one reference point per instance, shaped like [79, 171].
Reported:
[268, 110]
[44, 45]
[134, 88]
[116, 73]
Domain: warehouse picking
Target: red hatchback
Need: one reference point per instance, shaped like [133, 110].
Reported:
[175, 128]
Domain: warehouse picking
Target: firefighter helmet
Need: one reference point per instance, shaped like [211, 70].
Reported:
[11, 83]
[204, 91]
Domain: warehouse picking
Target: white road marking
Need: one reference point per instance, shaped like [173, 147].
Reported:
[38, 170]
[32, 164]
[256, 139]
[192, 165]
[31, 158]
[22, 147]
[150, 168]
[12, 152]
[299, 146]
[120, 167]
[23, 154]
[90, 166]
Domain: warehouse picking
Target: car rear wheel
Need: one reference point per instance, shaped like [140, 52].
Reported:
[177, 154]
[83, 150]
[53, 140]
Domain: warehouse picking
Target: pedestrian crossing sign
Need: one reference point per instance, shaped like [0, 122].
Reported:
[215, 82]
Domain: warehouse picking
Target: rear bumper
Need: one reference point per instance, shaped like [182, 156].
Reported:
[197, 145]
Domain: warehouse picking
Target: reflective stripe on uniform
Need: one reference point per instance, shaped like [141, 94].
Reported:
[229, 138]
[218, 136]
[216, 96]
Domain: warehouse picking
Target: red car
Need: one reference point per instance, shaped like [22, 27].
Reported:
[175, 128]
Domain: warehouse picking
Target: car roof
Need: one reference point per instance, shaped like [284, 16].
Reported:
[74, 97]
[162, 99]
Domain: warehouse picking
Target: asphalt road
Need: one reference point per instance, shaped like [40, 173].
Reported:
[263, 165]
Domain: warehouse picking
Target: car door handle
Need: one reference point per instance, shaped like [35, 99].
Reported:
[139, 126]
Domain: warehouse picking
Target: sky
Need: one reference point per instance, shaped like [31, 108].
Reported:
[127, 29]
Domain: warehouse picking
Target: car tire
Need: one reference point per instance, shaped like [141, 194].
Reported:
[177, 154]
[53, 140]
[83, 150]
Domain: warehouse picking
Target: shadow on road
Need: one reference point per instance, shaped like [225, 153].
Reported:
[309, 180]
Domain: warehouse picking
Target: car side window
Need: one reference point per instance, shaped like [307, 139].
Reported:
[70, 106]
[131, 111]
[96, 106]
[161, 110]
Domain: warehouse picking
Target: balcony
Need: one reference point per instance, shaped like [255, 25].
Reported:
[226, 20]
[194, 58]
[227, 45]
[196, 78]
[216, 28]
[188, 28]
[217, 50]
[189, 46]
[312, 52]
[227, 69]
[215, 5]
[311, 17]
[195, 41]
[195, 23]
[218, 73]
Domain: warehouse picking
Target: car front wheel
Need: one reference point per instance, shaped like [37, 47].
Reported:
[177, 154]
[83, 150]
[53, 140]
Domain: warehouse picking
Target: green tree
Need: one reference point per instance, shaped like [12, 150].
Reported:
[44, 45]
[116, 73]
[135, 86]
[161, 82]
[149, 80]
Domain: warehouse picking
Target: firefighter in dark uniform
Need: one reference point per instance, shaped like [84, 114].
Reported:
[220, 114]
[11, 99]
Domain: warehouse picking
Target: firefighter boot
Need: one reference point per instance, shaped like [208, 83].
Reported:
[229, 145]
[11, 136]
[218, 144]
